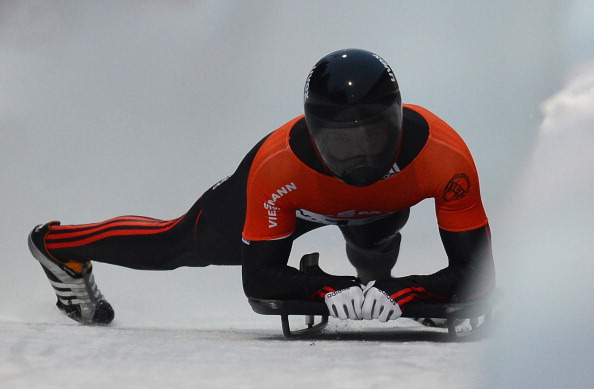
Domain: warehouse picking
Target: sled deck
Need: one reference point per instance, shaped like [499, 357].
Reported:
[286, 308]
[462, 319]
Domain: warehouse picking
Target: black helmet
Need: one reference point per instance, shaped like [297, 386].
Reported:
[353, 111]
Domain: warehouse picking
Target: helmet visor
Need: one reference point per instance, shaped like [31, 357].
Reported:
[361, 152]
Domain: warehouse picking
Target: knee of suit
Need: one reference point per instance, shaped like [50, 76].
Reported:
[382, 254]
[376, 234]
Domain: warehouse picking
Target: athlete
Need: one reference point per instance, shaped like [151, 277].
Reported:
[358, 159]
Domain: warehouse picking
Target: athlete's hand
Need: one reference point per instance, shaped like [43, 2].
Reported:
[345, 303]
[377, 304]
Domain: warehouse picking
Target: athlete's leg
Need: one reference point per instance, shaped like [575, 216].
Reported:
[66, 252]
[373, 248]
[131, 241]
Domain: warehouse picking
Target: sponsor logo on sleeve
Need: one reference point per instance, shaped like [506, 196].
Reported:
[270, 205]
[456, 188]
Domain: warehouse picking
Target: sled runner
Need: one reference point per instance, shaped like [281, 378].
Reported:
[461, 318]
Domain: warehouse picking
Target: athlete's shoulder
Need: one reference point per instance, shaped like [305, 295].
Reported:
[418, 114]
[286, 128]
[439, 130]
[275, 156]
[278, 139]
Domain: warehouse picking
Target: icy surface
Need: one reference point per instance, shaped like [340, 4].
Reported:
[68, 356]
[214, 340]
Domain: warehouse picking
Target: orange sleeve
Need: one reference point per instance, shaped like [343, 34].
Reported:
[458, 205]
[450, 171]
[271, 181]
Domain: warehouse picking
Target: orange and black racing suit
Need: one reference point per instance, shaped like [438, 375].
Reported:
[281, 190]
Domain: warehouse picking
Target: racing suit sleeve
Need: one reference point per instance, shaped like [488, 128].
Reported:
[470, 274]
[266, 274]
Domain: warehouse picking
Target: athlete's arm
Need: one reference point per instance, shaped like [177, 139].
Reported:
[266, 274]
[470, 274]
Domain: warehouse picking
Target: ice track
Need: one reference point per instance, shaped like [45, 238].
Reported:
[70, 355]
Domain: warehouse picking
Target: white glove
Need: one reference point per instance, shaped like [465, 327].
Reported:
[345, 303]
[377, 304]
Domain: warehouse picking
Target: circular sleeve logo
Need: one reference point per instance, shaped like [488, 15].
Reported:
[456, 188]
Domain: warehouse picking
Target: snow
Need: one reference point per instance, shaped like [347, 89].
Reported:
[68, 356]
[552, 285]
[113, 108]
[184, 343]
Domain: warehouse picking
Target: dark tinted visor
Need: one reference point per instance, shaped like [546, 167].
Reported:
[370, 144]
